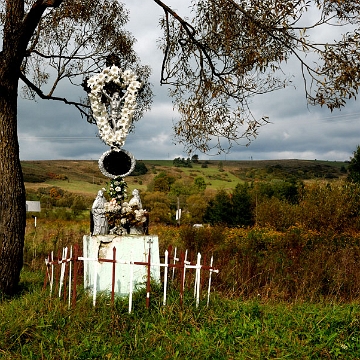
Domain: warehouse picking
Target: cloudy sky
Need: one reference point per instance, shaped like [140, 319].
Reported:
[51, 130]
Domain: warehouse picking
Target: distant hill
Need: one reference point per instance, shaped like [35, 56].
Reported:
[84, 176]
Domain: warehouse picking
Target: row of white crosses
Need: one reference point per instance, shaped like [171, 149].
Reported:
[177, 263]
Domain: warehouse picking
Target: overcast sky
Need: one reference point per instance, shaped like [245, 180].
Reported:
[51, 130]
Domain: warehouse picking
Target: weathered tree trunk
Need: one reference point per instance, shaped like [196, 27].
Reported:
[18, 29]
[12, 190]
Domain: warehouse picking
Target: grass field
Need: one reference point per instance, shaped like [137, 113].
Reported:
[35, 326]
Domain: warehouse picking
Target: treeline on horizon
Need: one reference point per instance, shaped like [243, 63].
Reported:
[274, 202]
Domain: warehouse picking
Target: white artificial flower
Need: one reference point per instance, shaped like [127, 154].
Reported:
[124, 113]
[130, 98]
[131, 77]
[96, 110]
[96, 88]
[101, 78]
[126, 127]
[106, 128]
[96, 114]
[110, 77]
[134, 86]
[114, 71]
[119, 139]
[95, 106]
[120, 122]
[125, 204]
[93, 98]
[92, 81]
[110, 138]
[127, 74]
[99, 110]
[103, 112]
[102, 121]
[138, 84]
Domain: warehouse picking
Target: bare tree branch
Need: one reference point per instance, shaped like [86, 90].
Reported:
[78, 105]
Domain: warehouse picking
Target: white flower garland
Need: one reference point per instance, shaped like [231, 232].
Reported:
[127, 80]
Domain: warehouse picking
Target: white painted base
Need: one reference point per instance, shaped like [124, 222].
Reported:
[134, 247]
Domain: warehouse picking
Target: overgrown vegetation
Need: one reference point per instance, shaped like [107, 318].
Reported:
[296, 264]
[288, 286]
[291, 294]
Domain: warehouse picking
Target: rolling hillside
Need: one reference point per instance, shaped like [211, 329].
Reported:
[84, 176]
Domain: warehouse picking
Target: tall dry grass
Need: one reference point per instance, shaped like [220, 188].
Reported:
[305, 251]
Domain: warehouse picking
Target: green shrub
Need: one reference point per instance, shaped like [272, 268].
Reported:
[203, 239]
[231, 209]
[277, 214]
[335, 207]
[140, 169]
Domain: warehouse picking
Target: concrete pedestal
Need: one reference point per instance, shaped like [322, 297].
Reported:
[128, 248]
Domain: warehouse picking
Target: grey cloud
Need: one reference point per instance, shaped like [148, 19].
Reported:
[50, 130]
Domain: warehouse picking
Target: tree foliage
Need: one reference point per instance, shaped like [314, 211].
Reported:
[283, 190]
[354, 167]
[200, 183]
[196, 205]
[227, 51]
[181, 162]
[73, 40]
[159, 206]
[140, 169]
[161, 182]
[233, 209]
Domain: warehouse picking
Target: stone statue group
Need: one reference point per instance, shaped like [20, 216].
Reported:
[99, 221]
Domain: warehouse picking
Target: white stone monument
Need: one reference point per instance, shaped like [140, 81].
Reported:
[131, 248]
[117, 223]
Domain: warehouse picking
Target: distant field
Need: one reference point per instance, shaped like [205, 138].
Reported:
[84, 176]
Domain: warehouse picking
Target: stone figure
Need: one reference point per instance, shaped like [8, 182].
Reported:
[98, 215]
[135, 200]
[115, 107]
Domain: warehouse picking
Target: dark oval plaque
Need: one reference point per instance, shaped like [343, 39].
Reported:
[116, 162]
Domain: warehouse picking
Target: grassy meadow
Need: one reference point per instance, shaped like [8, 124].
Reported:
[288, 286]
[34, 327]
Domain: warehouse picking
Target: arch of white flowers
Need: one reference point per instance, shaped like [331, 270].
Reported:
[126, 80]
